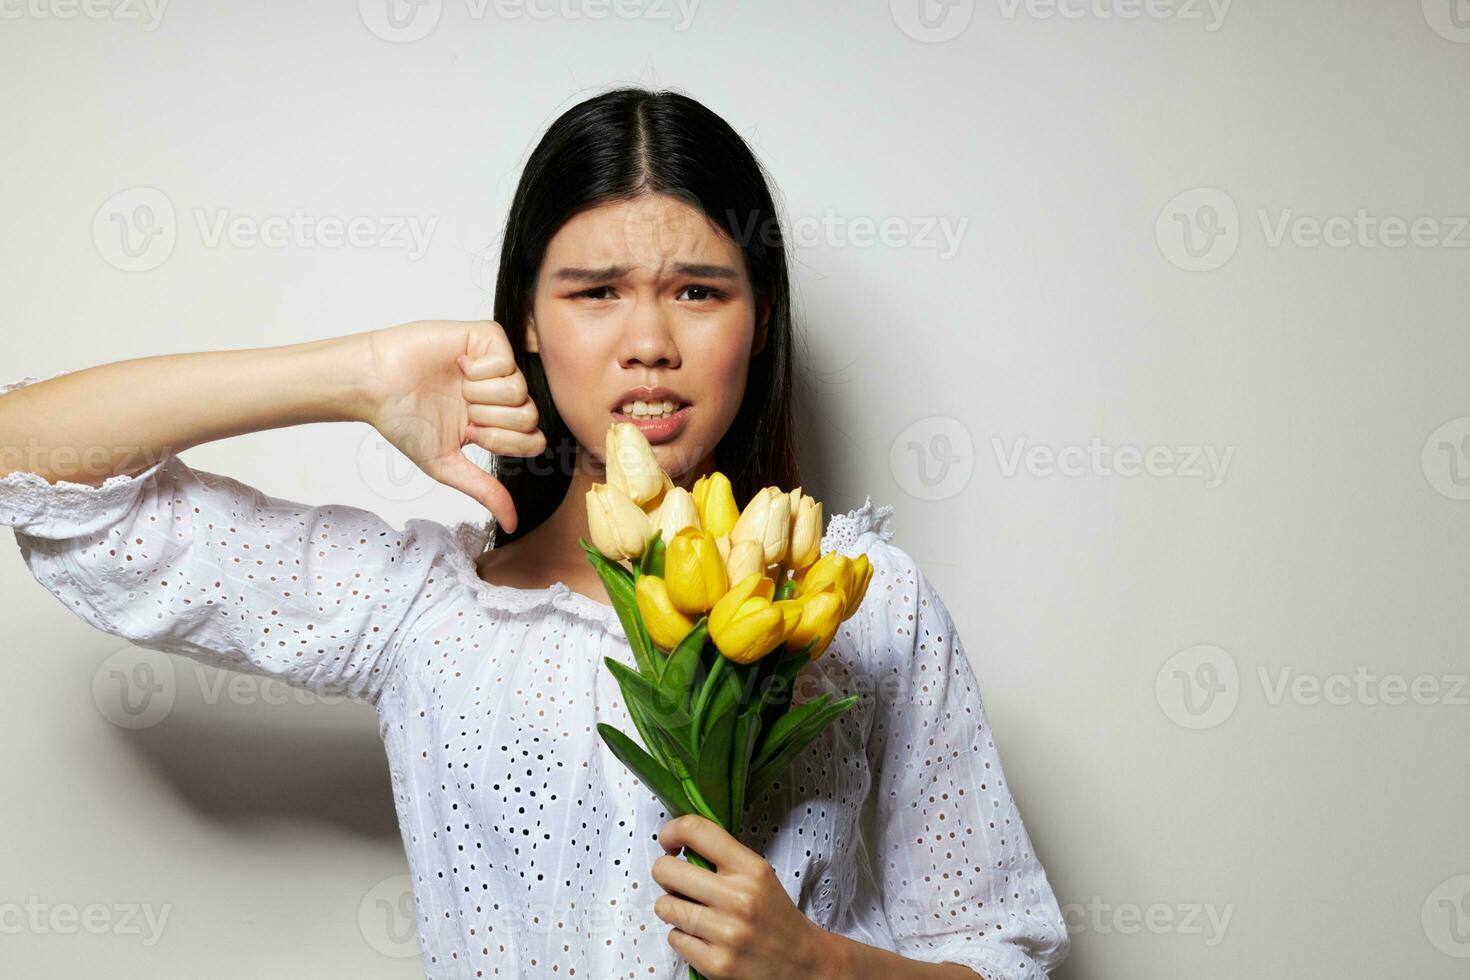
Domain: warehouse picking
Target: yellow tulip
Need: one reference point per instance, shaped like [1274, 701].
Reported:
[746, 625]
[861, 575]
[744, 558]
[766, 520]
[849, 576]
[806, 530]
[821, 612]
[631, 465]
[674, 512]
[666, 624]
[754, 584]
[716, 502]
[618, 527]
[694, 570]
[829, 569]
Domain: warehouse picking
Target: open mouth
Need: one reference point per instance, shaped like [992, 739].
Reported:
[641, 410]
[658, 421]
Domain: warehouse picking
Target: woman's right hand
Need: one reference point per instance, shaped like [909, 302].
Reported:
[439, 385]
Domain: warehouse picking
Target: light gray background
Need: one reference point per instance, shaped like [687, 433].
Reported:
[1195, 822]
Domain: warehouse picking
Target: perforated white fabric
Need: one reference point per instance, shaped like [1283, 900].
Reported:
[529, 843]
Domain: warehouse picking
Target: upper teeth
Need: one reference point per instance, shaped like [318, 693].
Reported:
[651, 409]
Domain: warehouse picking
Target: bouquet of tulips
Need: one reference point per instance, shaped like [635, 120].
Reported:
[722, 608]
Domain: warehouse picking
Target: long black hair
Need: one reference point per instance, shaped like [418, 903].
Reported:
[618, 146]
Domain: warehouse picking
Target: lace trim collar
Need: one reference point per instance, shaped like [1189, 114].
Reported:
[472, 538]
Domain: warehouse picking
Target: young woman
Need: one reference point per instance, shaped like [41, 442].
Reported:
[643, 278]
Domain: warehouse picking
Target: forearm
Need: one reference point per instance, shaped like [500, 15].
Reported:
[858, 961]
[121, 417]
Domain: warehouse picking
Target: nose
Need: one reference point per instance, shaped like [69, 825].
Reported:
[648, 337]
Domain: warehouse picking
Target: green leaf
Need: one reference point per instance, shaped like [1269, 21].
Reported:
[767, 772]
[787, 725]
[653, 556]
[643, 565]
[602, 561]
[619, 584]
[668, 723]
[678, 753]
[683, 665]
[648, 732]
[643, 765]
[636, 687]
[747, 730]
[783, 684]
[712, 681]
[713, 774]
[726, 687]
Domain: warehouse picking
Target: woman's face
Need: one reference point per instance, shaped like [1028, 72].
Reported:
[639, 293]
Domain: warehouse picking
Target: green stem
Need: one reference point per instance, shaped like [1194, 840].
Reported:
[701, 704]
[692, 791]
[689, 854]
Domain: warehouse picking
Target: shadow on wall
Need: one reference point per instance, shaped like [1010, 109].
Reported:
[237, 772]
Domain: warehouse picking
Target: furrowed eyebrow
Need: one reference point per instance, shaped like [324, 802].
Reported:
[574, 274]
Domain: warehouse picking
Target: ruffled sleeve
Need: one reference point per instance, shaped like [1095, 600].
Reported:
[952, 866]
[181, 560]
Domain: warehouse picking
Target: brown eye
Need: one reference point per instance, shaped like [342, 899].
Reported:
[707, 292]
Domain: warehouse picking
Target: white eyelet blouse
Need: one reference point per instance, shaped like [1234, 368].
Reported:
[529, 844]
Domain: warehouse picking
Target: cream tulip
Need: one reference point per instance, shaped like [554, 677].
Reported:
[806, 530]
[766, 520]
[631, 465]
[674, 513]
[618, 527]
[744, 558]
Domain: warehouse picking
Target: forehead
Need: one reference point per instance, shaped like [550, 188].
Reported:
[651, 233]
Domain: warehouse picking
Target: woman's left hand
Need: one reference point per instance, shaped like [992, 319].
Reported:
[735, 922]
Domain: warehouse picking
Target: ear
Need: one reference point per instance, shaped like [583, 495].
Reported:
[531, 346]
[761, 328]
